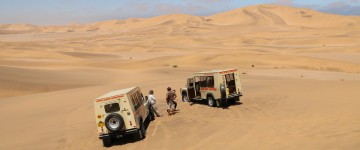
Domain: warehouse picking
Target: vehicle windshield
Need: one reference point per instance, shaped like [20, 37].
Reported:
[190, 82]
[110, 108]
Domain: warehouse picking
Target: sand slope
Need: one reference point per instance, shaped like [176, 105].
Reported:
[268, 118]
[300, 72]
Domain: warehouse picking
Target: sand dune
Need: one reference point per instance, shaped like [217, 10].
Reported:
[300, 72]
[259, 15]
[280, 15]
[21, 81]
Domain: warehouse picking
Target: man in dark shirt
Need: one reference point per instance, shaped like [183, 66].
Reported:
[169, 100]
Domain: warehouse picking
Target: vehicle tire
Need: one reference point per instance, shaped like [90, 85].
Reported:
[232, 101]
[185, 98]
[107, 141]
[211, 101]
[114, 122]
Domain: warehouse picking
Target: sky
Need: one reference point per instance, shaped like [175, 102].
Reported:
[60, 12]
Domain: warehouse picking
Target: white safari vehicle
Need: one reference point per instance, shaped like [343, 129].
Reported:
[216, 86]
[121, 112]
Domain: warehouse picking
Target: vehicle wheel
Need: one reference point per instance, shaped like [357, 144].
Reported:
[107, 141]
[185, 98]
[232, 101]
[211, 101]
[114, 122]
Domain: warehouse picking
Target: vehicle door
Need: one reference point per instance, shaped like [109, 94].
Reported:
[143, 111]
[203, 87]
[197, 86]
[238, 82]
[230, 83]
[190, 88]
[138, 107]
[146, 105]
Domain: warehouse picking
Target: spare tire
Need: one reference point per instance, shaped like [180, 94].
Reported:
[114, 122]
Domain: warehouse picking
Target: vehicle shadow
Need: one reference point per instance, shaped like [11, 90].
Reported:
[224, 106]
[197, 102]
[124, 140]
[129, 138]
[235, 104]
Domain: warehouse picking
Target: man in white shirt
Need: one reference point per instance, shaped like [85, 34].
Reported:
[152, 100]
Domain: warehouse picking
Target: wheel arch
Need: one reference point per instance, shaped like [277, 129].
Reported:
[210, 95]
[183, 91]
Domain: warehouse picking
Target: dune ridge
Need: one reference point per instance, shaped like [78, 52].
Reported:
[258, 15]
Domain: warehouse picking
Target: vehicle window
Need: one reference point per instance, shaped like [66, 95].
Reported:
[232, 76]
[203, 81]
[197, 79]
[206, 81]
[209, 81]
[110, 108]
[190, 82]
[140, 97]
[137, 100]
[229, 77]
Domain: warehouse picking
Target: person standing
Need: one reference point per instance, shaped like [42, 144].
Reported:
[152, 100]
[169, 101]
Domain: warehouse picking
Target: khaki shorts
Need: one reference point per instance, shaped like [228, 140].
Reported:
[168, 105]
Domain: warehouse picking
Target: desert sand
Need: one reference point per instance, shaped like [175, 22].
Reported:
[300, 74]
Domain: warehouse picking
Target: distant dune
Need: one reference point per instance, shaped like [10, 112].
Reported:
[259, 15]
[281, 15]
